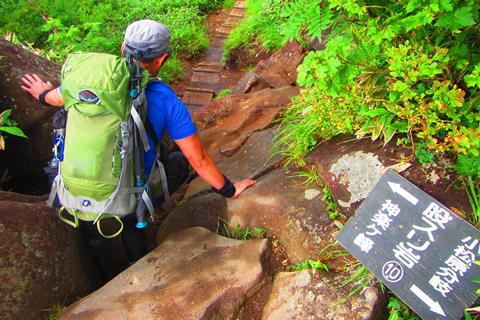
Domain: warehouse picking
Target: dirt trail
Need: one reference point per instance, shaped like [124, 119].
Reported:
[205, 81]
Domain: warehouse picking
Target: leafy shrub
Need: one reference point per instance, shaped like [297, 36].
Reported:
[60, 26]
[409, 67]
[263, 21]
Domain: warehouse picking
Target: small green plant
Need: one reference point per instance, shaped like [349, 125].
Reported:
[361, 277]
[422, 154]
[240, 233]
[399, 310]
[223, 93]
[310, 176]
[469, 168]
[54, 312]
[310, 264]
[9, 126]
[332, 207]
[249, 68]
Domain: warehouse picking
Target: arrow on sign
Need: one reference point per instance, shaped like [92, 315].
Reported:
[434, 305]
[397, 188]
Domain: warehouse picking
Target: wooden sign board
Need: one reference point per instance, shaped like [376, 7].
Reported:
[417, 247]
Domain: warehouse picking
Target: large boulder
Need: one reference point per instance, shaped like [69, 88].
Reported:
[237, 119]
[25, 158]
[301, 295]
[252, 160]
[43, 262]
[194, 274]
[278, 202]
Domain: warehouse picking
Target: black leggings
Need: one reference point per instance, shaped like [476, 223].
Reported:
[134, 239]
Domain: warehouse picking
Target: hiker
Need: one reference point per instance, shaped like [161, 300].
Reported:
[151, 40]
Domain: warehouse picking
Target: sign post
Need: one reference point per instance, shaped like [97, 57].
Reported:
[417, 247]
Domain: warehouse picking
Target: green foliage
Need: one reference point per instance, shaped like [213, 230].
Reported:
[263, 20]
[332, 207]
[223, 93]
[9, 126]
[407, 67]
[360, 276]
[423, 155]
[55, 312]
[399, 310]
[240, 233]
[469, 168]
[310, 264]
[61, 26]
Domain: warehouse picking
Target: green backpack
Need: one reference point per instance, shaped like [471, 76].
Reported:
[101, 174]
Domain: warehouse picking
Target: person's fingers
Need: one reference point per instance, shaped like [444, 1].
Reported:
[29, 78]
[26, 81]
[26, 89]
[36, 77]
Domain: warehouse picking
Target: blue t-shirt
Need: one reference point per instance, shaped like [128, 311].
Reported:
[166, 111]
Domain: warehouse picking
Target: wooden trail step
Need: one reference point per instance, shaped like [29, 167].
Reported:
[197, 98]
[236, 12]
[206, 76]
[225, 30]
[195, 89]
[207, 69]
[211, 64]
[233, 21]
[240, 4]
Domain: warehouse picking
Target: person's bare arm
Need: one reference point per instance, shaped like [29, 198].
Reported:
[34, 85]
[204, 165]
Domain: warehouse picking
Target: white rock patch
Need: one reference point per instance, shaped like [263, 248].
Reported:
[359, 171]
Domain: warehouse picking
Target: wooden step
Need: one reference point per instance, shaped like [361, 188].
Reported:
[224, 30]
[197, 98]
[240, 4]
[237, 12]
[207, 69]
[205, 77]
[196, 89]
[211, 65]
[233, 21]
[193, 107]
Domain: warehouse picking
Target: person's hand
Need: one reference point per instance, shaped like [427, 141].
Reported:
[242, 185]
[35, 85]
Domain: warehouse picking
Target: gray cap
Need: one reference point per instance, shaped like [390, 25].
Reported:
[150, 37]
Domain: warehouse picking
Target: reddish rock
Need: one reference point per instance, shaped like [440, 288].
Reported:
[363, 163]
[253, 159]
[301, 295]
[278, 202]
[43, 262]
[194, 274]
[242, 115]
[249, 82]
[25, 158]
[203, 211]
[280, 69]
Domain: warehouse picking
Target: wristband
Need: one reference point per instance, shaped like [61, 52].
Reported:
[41, 98]
[228, 189]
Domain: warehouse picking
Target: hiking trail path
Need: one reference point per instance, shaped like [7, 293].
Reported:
[205, 79]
